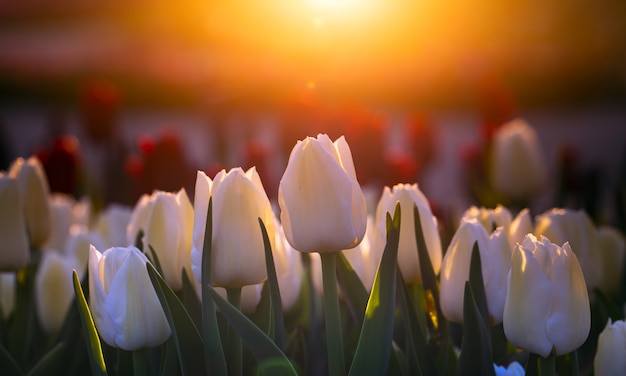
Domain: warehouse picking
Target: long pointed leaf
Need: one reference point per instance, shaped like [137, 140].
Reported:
[8, 365]
[477, 285]
[476, 356]
[259, 344]
[184, 331]
[214, 357]
[355, 293]
[276, 302]
[375, 343]
[49, 363]
[98, 367]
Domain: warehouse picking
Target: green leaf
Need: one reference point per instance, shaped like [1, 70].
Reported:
[354, 293]
[421, 358]
[155, 259]
[191, 300]
[94, 348]
[8, 365]
[275, 367]
[476, 356]
[477, 285]
[375, 343]
[429, 279]
[259, 344]
[214, 357]
[276, 314]
[139, 240]
[185, 334]
[50, 363]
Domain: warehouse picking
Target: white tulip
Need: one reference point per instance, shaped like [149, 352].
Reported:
[166, 220]
[124, 305]
[54, 290]
[610, 357]
[34, 194]
[547, 306]
[495, 261]
[518, 167]
[322, 206]
[14, 251]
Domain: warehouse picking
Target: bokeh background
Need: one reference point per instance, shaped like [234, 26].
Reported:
[122, 97]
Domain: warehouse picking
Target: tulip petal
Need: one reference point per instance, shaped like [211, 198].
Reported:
[570, 323]
[528, 304]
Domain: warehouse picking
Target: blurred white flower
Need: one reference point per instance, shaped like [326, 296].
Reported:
[166, 220]
[34, 194]
[576, 228]
[518, 167]
[409, 195]
[14, 251]
[112, 225]
[612, 248]
[610, 359]
[54, 290]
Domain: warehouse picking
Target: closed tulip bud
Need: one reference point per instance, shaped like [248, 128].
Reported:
[547, 307]
[14, 253]
[125, 307]
[576, 228]
[166, 220]
[239, 200]
[322, 206]
[514, 228]
[77, 246]
[289, 269]
[408, 261]
[34, 194]
[65, 212]
[495, 261]
[610, 359]
[7, 294]
[200, 209]
[54, 290]
[612, 250]
[112, 224]
[518, 168]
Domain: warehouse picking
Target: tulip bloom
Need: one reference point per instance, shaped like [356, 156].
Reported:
[238, 252]
[34, 195]
[322, 205]
[518, 167]
[514, 228]
[612, 251]
[610, 359]
[65, 212]
[54, 290]
[125, 307]
[495, 261]
[112, 225]
[14, 253]
[408, 261]
[166, 220]
[576, 228]
[547, 307]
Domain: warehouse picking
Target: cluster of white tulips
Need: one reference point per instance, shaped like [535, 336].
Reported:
[174, 286]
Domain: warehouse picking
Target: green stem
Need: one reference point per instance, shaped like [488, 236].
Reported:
[234, 340]
[547, 365]
[140, 362]
[334, 337]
